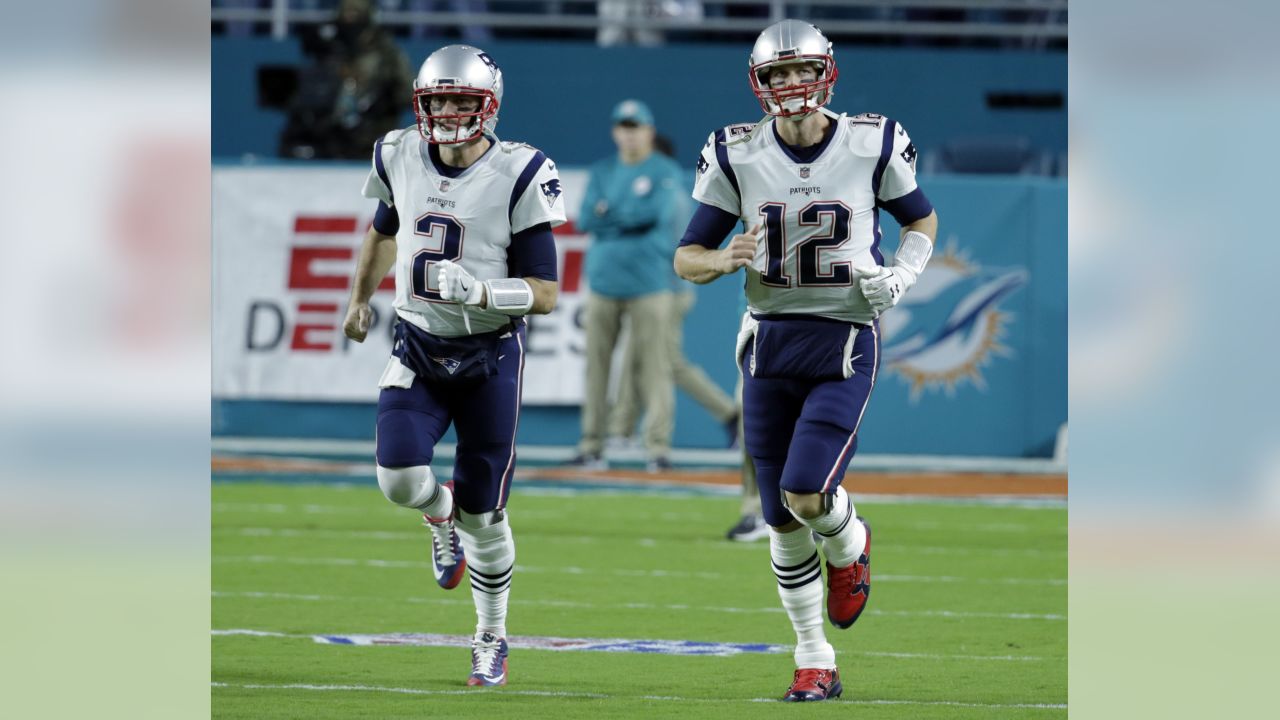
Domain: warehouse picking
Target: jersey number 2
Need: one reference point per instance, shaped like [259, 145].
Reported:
[445, 233]
[807, 252]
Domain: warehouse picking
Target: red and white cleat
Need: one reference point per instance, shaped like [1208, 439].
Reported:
[813, 685]
[849, 588]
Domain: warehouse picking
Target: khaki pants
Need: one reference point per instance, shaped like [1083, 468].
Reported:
[649, 318]
[688, 377]
[750, 491]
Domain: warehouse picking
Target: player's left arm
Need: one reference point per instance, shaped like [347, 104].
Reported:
[545, 294]
[533, 288]
[927, 225]
[531, 256]
[899, 194]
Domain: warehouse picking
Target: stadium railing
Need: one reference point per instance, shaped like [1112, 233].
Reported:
[1026, 20]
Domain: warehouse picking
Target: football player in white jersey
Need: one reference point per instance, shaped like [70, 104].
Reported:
[809, 184]
[466, 219]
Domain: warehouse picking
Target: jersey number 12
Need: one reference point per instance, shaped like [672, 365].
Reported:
[807, 252]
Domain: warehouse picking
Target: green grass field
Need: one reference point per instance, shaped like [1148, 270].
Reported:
[967, 618]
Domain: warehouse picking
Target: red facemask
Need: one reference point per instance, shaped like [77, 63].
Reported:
[463, 130]
[778, 96]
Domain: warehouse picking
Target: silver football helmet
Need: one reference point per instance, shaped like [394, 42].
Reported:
[457, 70]
[787, 42]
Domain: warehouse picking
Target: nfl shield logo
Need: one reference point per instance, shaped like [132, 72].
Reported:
[444, 186]
[804, 173]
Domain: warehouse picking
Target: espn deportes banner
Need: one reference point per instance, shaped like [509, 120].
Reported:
[285, 241]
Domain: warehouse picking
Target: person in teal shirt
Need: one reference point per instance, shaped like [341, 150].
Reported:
[688, 376]
[627, 210]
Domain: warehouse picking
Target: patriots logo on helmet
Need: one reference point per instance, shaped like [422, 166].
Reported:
[484, 58]
[551, 190]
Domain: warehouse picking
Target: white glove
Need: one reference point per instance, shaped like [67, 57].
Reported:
[883, 286]
[458, 285]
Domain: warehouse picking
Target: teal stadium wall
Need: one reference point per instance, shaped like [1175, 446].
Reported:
[558, 95]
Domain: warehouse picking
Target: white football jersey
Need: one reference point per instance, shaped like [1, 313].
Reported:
[468, 219]
[819, 218]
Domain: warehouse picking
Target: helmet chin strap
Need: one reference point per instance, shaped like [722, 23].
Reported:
[455, 136]
[801, 117]
[806, 113]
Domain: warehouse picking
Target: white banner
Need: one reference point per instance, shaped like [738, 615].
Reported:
[284, 247]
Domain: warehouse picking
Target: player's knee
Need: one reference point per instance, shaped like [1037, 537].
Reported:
[477, 521]
[790, 526]
[805, 506]
[407, 485]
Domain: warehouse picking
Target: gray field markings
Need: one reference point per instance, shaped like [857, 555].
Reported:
[619, 572]
[691, 517]
[465, 641]
[717, 544]
[310, 687]
[665, 607]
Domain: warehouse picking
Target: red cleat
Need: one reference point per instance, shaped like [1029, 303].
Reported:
[813, 685]
[848, 588]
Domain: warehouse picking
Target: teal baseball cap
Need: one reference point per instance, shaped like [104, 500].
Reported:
[632, 111]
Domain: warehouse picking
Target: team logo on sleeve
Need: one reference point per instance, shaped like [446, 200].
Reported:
[551, 191]
[910, 155]
[702, 167]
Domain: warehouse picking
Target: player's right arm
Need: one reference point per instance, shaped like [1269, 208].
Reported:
[377, 255]
[377, 252]
[700, 264]
[700, 259]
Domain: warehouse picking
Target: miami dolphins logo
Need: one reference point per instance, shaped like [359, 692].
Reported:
[950, 325]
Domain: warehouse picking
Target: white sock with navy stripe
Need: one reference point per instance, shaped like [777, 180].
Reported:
[843, 536]
[491, 558]
[799, 574]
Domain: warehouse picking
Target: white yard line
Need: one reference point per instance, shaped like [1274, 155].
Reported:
[630, 606]
[620, 572]
[604, 696]
[719, 544]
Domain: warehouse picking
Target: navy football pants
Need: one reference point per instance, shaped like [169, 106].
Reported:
[412, 420]
[801, 434]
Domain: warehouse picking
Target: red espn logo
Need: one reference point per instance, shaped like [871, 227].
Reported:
[317, 323]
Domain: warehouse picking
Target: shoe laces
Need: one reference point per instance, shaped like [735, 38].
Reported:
[443, 533]
[843, 580]
[811, 677]
[484, 653]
